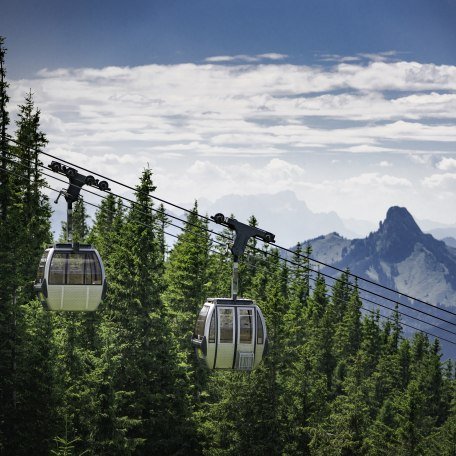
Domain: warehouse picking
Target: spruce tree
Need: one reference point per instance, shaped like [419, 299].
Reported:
[27, 223]
[186, 275]
[147, 405]
[35, 210]
[262, 409]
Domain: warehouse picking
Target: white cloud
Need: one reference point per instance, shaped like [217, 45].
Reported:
[241, 109]
[272, 56]
[373, 57]
[365, 148]
[385, 164]
[214, 180]
[276, 170]
[375, 180]
[446, 181]
[339, 58]
[246, 58]
[447, 164]
[230, 58]
[422, 159]
[379, 56]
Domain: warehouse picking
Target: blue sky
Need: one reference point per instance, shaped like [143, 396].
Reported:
[349, 104]
[53, 33]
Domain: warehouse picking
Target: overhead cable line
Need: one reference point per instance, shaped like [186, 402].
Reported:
[103, 177]
[310, 277]
[278, 246]
[256, 249]
[128, 199]
[131, 207]
[338, 279]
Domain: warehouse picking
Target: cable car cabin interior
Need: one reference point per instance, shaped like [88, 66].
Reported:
[230, 334]
[70, 277]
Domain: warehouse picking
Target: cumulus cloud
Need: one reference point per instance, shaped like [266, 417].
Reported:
[246, 58]
[375, 180]
[447, 164]
[445, 181]
[421, 159]
[276, 170]
[215, 180]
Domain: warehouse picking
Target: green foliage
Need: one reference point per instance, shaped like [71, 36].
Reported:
[80, 228]
[186, 274]
[26, 357]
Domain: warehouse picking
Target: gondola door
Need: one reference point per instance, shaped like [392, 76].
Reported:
[245, 352]
[226, 338]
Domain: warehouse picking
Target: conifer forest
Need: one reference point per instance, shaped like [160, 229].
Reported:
[124, 380]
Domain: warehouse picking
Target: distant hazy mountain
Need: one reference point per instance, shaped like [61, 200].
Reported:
[282, 213]
[443, 233]
[450, 241]
[438, 230]
[291, 219]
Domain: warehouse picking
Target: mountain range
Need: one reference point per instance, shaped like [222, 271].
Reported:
[292, 220]
[398, 255]
[401, 257]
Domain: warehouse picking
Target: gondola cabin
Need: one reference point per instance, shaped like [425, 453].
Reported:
[71, 277]
[230, 334]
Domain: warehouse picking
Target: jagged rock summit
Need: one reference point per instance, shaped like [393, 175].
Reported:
[398, 255]
[397, 235]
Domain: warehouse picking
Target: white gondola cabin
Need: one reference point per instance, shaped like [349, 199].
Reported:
[230, 334]
[71, 277]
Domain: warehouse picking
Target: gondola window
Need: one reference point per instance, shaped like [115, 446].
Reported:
[75, 269]
[245, 326]
[201, 320]
[260, 335]
[212, 329]
[226, 326]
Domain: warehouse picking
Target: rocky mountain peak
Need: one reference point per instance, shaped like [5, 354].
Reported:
[396, 236]
[400, 221]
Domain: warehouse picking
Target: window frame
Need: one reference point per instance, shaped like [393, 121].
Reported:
[251, 314]
[212, 328]
[41, 273]
[260, 326]
[219, 318]
[198, 321]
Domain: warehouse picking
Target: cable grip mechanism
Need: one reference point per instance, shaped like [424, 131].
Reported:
[243, 233]
[71, 195]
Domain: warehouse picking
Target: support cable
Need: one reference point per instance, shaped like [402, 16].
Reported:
[278, 246]
[310, 277]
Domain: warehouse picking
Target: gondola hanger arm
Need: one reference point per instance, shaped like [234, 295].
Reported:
[77, 181]
[71, 194]
[243, 233]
